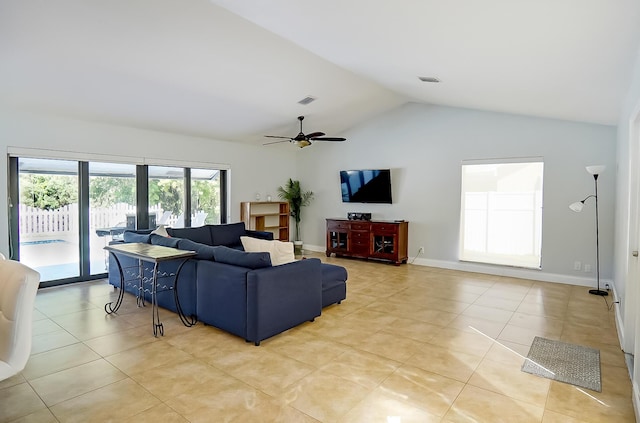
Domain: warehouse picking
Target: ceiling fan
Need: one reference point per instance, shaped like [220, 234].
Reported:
[302, 140]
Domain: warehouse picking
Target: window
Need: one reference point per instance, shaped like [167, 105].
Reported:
[501, 212]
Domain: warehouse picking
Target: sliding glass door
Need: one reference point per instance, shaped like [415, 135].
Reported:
[205, 196]
[64, 212]
[166, 195]
[49, 239]
[112, 208]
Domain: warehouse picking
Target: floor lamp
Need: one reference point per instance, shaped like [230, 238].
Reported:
[577, 207]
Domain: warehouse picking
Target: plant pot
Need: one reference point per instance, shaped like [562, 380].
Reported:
[297, 248]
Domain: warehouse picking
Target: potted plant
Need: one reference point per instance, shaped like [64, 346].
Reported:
[293, 194]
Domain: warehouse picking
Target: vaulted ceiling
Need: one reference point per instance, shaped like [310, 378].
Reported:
[236, 69]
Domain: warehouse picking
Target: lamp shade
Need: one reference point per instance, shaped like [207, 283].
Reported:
[577, 206]
[596, 169]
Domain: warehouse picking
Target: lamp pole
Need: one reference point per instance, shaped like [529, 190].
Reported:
[597, 291]
[577, 207]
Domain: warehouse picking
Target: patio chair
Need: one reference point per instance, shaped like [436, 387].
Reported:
[18, 288]
[164, 219]
[199, 219]
[179, 222]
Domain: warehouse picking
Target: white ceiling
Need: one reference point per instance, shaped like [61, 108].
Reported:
[235, 69]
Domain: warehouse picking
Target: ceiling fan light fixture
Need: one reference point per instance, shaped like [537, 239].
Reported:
[432, 79]
[308, 99]
[303, 140]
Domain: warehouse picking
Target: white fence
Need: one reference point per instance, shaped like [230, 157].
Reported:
[63, 222]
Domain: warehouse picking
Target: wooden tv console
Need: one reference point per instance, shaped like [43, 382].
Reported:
[381, 240]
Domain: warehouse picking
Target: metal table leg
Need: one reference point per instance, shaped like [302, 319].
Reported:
[157, 325]
[109, 308]
[188, 321]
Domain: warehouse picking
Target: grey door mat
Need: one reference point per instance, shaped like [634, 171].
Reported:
[564, 362]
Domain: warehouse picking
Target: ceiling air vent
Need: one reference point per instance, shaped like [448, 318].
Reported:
[306, 100]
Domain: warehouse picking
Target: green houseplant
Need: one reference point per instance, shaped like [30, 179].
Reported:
[297, 199]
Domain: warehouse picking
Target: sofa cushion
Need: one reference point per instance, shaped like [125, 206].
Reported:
[200, 234]
[235, 257]
[129, 236]
[334, 287]
[227, 234]
[164, 241]
[203, 251]
[280, 252]
[332, 273]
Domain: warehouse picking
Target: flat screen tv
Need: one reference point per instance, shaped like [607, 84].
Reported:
[366, 186]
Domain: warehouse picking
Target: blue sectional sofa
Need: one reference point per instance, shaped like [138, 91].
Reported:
[238, 291]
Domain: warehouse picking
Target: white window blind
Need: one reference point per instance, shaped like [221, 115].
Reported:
[501, 213]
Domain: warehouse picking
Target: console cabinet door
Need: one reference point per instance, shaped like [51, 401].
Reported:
[384, 240]
[337, 237]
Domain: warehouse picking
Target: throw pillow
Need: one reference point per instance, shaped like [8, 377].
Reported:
[281, 252]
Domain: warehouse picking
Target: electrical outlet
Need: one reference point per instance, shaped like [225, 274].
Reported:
[577, 265]
[587, 268]
[421, 250]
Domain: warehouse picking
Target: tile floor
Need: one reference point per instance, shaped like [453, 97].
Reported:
[410, 344]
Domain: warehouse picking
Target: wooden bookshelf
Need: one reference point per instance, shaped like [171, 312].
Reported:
[268, 216]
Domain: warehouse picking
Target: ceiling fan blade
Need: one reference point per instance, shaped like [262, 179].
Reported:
[276, 136]
[328, 139]
[314, 134]
[277, 142]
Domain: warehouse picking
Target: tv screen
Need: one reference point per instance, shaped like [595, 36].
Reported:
[366, 186]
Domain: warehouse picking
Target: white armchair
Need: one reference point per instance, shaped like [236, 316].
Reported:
[18, 288]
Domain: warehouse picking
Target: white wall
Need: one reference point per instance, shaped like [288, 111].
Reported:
[626, 230]
[424, 146]
[254, 169]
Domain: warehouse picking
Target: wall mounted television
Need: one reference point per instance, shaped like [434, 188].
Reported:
[366, 186]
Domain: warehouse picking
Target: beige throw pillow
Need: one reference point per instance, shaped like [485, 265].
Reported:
[280, 252]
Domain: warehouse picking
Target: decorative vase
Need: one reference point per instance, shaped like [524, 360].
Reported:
[297, 248]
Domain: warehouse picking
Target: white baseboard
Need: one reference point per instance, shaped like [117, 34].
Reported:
[513, 272]
[618, 316]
